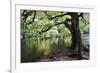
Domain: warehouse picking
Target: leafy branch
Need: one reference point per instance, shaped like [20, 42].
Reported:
[31, 21]
[83, 19]
[53, 17]
[45, 30]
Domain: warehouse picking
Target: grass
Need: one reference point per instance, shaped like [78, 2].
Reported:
[37, 48]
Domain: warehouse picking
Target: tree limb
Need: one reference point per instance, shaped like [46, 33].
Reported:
[33, 18]
[50, 27]
[51, 18]
[25, 15]
[81, 15]
[83, 19]
[67, 24]
[64, 22]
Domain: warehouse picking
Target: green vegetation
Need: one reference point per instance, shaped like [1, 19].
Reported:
[49, 33]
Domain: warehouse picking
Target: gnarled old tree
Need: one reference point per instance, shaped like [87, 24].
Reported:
[71, 23]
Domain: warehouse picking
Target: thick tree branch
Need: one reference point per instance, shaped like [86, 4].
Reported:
[81, 15]
[51, 18]
[67, 24]
[64, 22]
[47, 29]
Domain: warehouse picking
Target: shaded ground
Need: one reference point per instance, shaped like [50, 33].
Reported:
[66, 56]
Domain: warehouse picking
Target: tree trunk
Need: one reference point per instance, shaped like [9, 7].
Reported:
[76, 35]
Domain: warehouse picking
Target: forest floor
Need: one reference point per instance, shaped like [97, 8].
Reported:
[64, 57]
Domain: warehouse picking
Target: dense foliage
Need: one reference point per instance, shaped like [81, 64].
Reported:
[43, 33]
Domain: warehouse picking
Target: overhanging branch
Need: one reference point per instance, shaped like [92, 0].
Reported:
[45, 30]
[53, 17]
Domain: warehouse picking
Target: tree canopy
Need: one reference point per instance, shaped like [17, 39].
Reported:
[57, 24]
